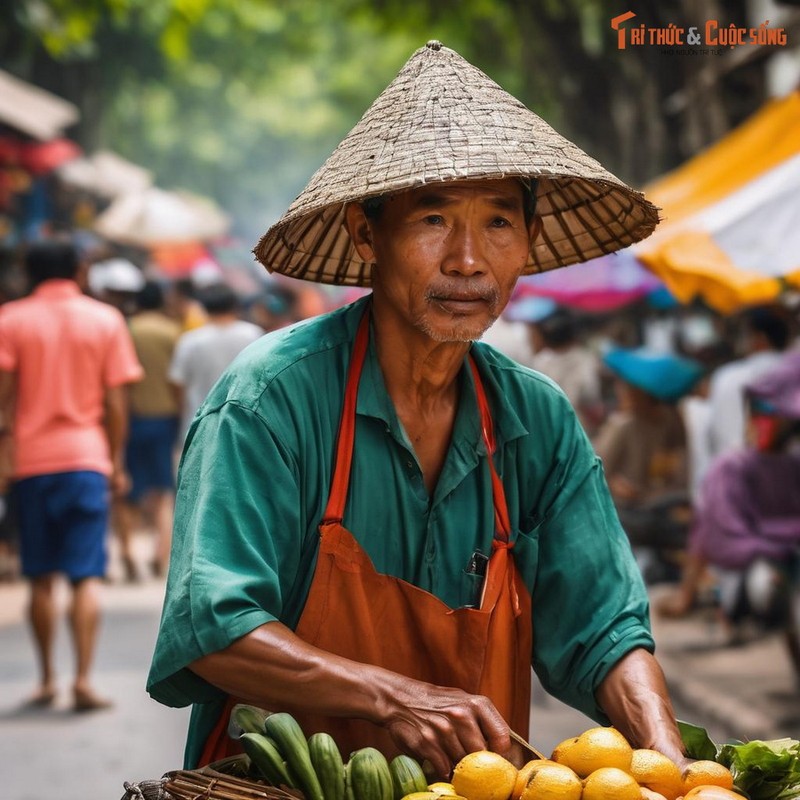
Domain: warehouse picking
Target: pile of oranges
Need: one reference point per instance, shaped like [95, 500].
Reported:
[597, 765]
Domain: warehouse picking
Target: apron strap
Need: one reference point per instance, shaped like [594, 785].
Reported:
[502, 523]
[334, 511]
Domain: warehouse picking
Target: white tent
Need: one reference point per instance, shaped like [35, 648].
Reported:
[32, 110]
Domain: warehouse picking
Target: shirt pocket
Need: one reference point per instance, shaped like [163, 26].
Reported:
[526, 553]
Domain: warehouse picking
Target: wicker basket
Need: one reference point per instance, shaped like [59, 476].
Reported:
[223, 780]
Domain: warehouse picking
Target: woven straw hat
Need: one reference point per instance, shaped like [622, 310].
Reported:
[442, 119]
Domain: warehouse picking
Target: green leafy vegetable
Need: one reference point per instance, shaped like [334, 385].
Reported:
[765, 770]
[697, 742]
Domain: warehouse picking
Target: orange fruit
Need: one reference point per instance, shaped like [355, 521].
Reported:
[611, 782]
[484, 775]
[649, 794]
[711, 792]
[657, 772]
[706, 773]
[525, 773]
[593, 749]
[560, 752]
[553, 782]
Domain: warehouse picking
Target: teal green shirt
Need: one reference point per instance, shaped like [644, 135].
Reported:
[254, 481]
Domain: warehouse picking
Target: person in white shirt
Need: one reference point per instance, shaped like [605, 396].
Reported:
[203, 354]
[767, 335]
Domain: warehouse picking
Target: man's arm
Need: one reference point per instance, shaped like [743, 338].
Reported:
[116, 425]
[634, 695]
[272, 667]
[8, 386]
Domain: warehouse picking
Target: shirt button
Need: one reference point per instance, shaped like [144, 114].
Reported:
[410, 464]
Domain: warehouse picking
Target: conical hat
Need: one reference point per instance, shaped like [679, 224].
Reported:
[442, 119]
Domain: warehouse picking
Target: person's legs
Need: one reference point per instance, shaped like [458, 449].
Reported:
[84, 522]
[40, 559]
[123, 513]
[43, 620]
[85, 623]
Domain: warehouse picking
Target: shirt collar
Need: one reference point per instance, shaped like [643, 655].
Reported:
[374, 401]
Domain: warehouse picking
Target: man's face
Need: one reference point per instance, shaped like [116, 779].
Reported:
[447, 255]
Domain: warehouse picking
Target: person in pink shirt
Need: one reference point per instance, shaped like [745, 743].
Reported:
[65, 361]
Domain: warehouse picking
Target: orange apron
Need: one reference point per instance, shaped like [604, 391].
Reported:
[358, 613]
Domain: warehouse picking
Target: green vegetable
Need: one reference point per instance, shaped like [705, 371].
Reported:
[763, 770]
[697, 742]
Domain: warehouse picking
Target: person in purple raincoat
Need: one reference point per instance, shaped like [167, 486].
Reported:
[747, 521]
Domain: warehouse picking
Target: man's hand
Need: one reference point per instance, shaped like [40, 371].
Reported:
[634, 696]
[441, 725]
[271, 667]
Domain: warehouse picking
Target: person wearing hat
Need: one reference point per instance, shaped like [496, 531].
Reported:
[642, 445]
[378, 516]
[747, 522]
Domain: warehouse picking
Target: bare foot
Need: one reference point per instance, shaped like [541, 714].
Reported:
[87, 700]
[45, 697]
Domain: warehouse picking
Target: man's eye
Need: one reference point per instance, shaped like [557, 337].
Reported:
[500, 222]
[434, 219]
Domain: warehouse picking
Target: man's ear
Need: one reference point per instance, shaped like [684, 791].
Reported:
[535, 228]
[360, 232]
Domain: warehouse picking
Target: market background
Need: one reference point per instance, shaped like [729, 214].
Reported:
[120, 116]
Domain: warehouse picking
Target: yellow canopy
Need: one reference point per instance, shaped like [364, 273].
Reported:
[731, 229]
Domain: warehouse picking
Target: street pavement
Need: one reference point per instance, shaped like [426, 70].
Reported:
[744, 692]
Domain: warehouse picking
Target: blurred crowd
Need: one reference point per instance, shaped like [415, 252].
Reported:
[696, 417]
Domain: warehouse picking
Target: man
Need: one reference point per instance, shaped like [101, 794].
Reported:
[65, 362]
[150, 453]
[766, 337]
[201, 355]
[346, 484]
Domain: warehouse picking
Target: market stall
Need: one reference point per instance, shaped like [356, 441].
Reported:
[731, 229]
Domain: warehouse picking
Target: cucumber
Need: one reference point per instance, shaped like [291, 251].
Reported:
[284, 729]
[407, 776]
[266, 759]
[327, 762]
[370, 776]
[246, 719]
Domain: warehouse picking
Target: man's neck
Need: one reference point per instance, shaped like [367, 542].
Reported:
[417, 370]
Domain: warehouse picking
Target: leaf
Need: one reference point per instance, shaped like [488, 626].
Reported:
[697, 742]
[766, 770]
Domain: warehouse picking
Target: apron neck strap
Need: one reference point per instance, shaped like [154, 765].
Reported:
[502, 524]
[334, 512]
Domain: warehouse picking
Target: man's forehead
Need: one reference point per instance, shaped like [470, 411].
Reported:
[506, 192]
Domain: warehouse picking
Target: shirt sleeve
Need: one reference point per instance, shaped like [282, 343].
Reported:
[589, 602]
[237, 546]
[122, 364]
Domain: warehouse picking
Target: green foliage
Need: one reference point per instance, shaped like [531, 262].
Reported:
[697, 742]
[764, 770]
[243, 99]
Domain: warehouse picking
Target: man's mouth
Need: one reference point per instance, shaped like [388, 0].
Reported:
[462, 302]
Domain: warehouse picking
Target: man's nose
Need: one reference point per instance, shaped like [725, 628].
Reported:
[464, 254]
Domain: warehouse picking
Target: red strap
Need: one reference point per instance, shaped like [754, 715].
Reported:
[334, 512]
[501, 520]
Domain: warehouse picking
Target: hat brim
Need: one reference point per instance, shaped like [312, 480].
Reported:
[581, 219]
